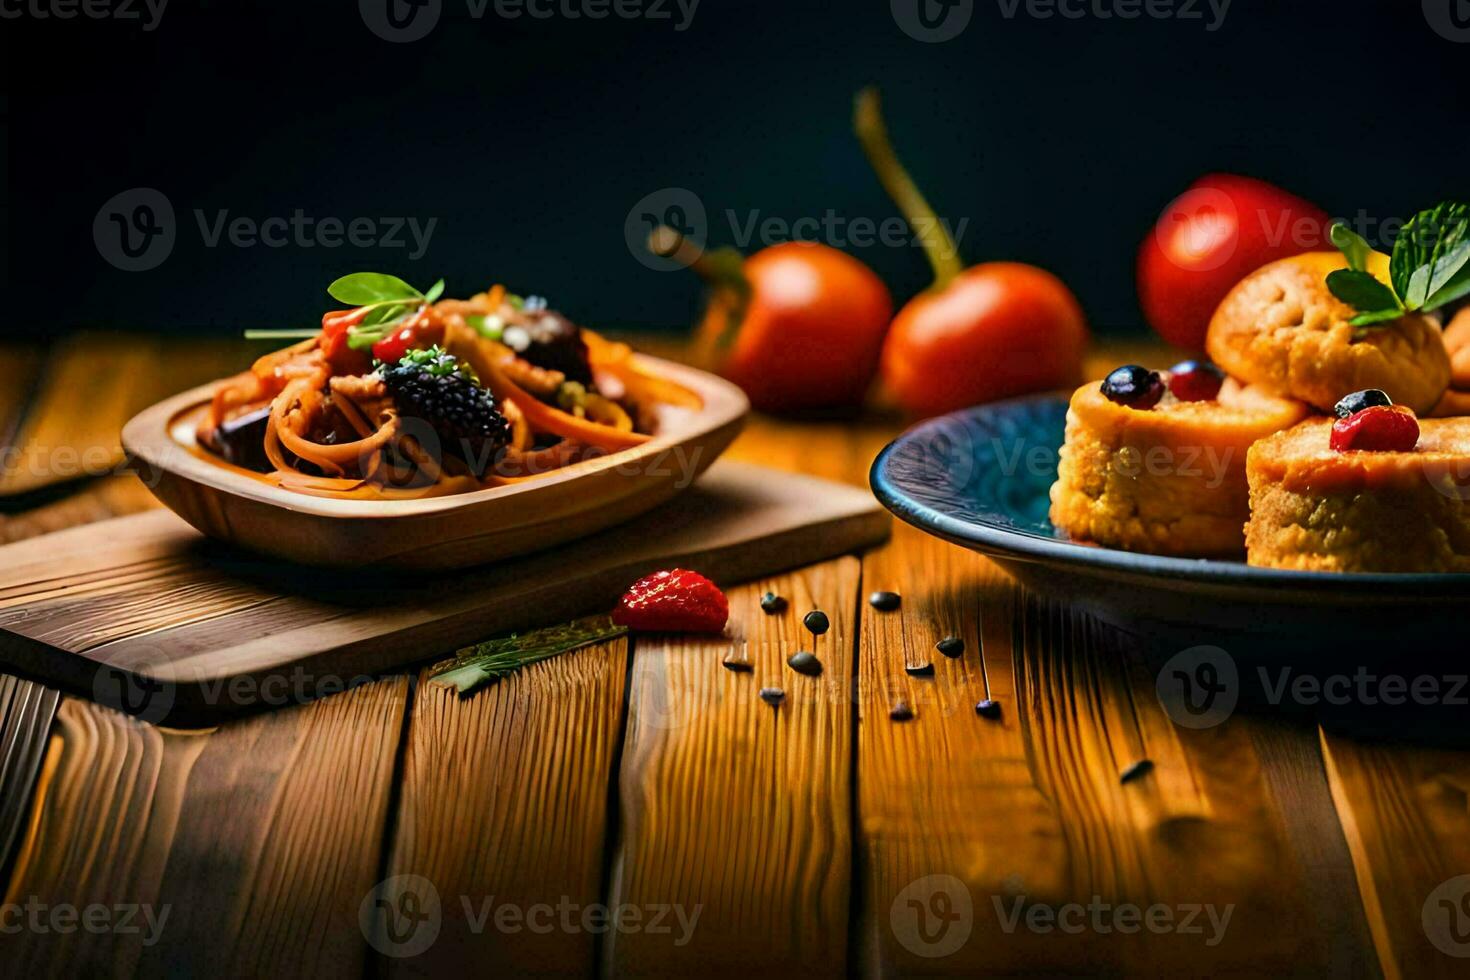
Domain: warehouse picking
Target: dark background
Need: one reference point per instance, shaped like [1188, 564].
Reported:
[530, 140]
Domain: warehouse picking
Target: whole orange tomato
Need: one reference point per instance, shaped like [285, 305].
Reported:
[997, 330]
[991, 331]
[807, 328]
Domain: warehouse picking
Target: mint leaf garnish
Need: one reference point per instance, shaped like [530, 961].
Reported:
[1362, 291]
[1429, 266]
[1353, 245]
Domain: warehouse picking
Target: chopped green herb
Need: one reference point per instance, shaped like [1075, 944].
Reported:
[491, 327]
[494, 659]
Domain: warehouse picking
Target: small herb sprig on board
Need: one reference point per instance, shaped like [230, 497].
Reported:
[1429, 267]
[494, 659]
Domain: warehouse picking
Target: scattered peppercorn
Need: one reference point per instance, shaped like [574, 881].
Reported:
[1138, 770]
[739, 666]
[804, 662]
[884, 601]
[772, 695]
[817, 622]
[951, 646]
[771, 604]
[988, 709]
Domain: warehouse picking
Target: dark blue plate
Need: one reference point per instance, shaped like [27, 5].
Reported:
[981, 478]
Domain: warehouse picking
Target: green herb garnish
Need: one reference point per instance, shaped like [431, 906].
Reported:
[1428, 268]
[389, 300]
[435, 361]
[494, 659]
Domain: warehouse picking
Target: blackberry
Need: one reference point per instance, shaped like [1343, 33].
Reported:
[551, 341]
[1352, 404]
[433, 386]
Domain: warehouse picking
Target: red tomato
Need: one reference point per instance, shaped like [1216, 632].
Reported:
[343, 359]
[812, 331]
[1215, 234]
[997, 330]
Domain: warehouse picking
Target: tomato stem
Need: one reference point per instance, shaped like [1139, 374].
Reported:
[939, 245]
[719, 267]
[722, 269]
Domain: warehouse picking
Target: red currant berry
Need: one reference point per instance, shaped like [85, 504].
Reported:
[1377, 429]
[1195, 381]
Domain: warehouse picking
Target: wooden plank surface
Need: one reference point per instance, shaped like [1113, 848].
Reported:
[504, 811]
[1026, 815]
[90, 384]
[735, 814]
[246, 850]
[150, 599]
[1025, 805]
[1406, 811]
[26, 710]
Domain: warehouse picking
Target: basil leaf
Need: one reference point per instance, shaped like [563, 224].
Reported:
[1354, 246]
[1427, 236]
[1362, 292]
[435, 291]
[366, 288]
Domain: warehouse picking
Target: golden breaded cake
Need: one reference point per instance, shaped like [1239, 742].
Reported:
[1316, 509]
[1168, 480]
[1456, 400]
[1281, 328]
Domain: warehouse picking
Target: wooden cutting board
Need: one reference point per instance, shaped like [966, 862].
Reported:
[145, 614]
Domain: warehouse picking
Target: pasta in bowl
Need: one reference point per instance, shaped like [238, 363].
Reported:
[488, 427]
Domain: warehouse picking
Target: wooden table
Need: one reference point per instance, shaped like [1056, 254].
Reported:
[819, 838]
